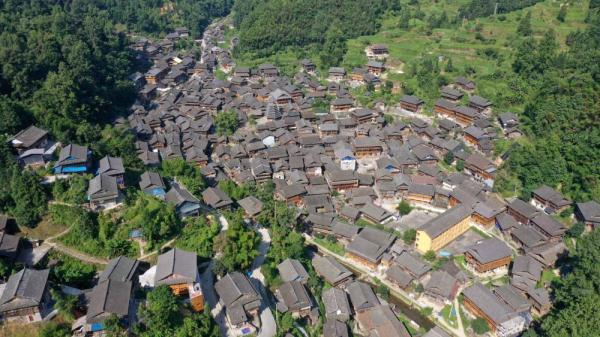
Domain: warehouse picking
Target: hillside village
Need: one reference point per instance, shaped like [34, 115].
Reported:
[385, 197]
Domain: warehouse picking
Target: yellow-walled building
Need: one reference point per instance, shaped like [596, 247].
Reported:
[444, 228]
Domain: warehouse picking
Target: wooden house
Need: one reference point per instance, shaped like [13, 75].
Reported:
[488, 255]
[411, 103]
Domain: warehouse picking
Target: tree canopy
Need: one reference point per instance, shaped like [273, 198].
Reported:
[267, 27]
[226, 122]
[576, 295]
[161, 317]
[560, 116]
[238, 244]
[157, 219]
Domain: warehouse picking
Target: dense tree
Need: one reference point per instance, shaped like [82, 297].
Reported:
[198, 236]
[334, 47]
[429, 255]
[559, 115]
[72, 190]
[64, 303]
[267, 27]
[226, 122]
[233, 190]
[449, 158]
[576, 230]
[404, 19]
[524, 27]
[73, 272]
[577, 294]
[238, 244]
[562, 13]
[157, 220]
[28, 196]
[13, 115]
[160, 316]
[118, 142]
[69, 70]
[480, 326]
[460, 165]
[404, 207]
[449, 66]
[113, 327]
[198, 325]
[5, 269]
[185, 173]
[285, 243]
[409, 236]
[157, 17]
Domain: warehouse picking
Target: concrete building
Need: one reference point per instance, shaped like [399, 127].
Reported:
[443, 229]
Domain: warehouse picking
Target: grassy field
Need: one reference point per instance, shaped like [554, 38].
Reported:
[548, 276]
[20, 330]
[44, 229]
[449, 316]
[471, 45]
[335, 247]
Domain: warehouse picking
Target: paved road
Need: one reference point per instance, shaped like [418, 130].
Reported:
[268, 326]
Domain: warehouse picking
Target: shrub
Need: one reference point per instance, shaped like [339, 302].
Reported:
[404, 208]
[480, 326]
[429, 255]
[409, 236]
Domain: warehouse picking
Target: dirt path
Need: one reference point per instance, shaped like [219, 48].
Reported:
[70, 251]
[76, 254]
[147, 255]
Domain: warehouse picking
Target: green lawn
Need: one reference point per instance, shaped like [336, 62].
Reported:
[335, 247]
[461, 261]
[548, 276]
[449, 316]
[480, 232]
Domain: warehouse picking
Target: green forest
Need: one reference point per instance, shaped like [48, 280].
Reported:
[267, 27]
[157, 17]
[561, 114]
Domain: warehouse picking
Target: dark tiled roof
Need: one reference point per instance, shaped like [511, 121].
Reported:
[150, 179]
[361, 296]
[292, 270]
[330, 269]
[29, 136]
[24, 289]
[111, 166]
[293, 296]
[120, 269]
[488, 303]
[489, 250]
[336, 304]
[252, 205]
[108, 297]
[215, 197]
[179, 195]
[176, 266]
